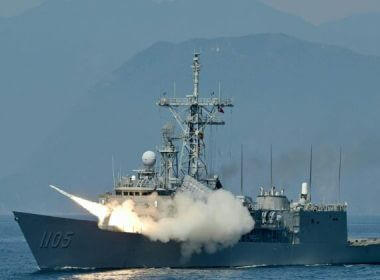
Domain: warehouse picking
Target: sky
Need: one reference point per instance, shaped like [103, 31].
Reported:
[9, 8]
[321, 11]
[314, 11]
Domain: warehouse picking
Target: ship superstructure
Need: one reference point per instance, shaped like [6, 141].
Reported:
[193, 114]
[279, 220]
[285, 232]
[276, 218]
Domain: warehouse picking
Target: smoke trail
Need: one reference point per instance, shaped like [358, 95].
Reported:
[94, 208]
[216, 221]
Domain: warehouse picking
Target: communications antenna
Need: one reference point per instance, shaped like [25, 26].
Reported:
[241, 169]
[310, 167]
[271, 167]
[339, 171]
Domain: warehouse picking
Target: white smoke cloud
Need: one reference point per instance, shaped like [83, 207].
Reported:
[216, 221]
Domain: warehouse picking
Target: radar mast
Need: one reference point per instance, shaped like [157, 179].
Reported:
[193, 114]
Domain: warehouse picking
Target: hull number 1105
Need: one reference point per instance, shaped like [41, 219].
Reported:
[57, 239]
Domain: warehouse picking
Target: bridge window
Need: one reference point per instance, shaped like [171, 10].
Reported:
[163, 192]
[118, 192]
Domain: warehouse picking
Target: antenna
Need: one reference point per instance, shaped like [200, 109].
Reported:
[113, 172]
[339, 171]
[196, 69]
[310, 168]
[219, 89]
[241, 169]
[174, 88]
[271, 167]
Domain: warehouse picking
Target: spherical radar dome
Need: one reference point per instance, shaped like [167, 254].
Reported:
[149, 158]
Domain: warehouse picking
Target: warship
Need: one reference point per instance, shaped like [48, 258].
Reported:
[285, 232]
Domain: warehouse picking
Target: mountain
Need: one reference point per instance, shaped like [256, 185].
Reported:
[357, 32]
[52, 54]
[288, 92]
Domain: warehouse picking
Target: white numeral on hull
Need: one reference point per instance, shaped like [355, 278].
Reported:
[56, 239]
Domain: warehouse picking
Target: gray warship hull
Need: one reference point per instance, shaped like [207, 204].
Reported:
[70, 243]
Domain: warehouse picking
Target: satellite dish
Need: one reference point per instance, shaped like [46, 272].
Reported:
[149, 158]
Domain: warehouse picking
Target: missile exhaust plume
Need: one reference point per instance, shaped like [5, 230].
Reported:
[214, 221]
[96, 209]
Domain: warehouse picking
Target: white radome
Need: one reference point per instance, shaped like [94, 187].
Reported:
[305, 188]
[149, 158]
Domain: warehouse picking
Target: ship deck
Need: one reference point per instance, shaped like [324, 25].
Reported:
[364, 241]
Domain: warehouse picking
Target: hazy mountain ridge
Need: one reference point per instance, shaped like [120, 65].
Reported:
[52, 54]
[287, 91]
[358, 32]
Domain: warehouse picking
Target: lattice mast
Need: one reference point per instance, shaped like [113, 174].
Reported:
[193, 114]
